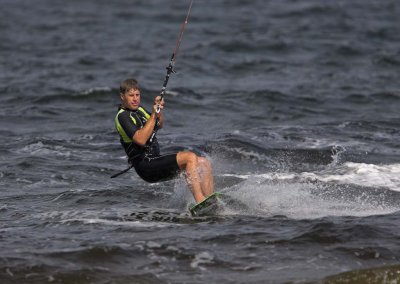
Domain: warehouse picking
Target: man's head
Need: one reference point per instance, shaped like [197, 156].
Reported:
[130, 94]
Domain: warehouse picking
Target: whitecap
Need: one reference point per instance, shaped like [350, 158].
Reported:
[367, 175]
[90, 221]
[202, 258]
[351, 189]
[41, 149]
[98, 89]
[361, 174]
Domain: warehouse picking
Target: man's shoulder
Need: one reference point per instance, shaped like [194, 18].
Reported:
[122, 112]
[143, 110]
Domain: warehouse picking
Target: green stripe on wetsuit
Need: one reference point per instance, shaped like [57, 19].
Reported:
[128, 131]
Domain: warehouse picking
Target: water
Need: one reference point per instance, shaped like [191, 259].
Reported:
[294, 102]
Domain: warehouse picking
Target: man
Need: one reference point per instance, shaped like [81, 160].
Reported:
[135, 126]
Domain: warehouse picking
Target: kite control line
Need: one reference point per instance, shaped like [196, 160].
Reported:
[170, 68]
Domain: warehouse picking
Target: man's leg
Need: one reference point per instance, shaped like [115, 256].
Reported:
[198, 173]
[206, 176]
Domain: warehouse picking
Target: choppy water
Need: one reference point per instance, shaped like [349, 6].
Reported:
[295, 102]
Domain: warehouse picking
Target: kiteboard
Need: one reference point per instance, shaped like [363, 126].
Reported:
[207, 207]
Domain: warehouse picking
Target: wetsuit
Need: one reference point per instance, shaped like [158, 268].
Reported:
[147, 161]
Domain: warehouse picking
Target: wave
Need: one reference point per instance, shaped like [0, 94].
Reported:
[350, 189]
[233, 154]
[117, 223]
[368, 175]
[102, 93]
[302, 183]
[359, 174]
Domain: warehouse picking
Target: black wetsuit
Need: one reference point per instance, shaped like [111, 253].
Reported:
[147, 161]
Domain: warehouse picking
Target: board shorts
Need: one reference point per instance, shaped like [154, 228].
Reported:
[157, 168]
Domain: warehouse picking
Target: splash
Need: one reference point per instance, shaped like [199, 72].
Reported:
[369, 175]
[351, 189]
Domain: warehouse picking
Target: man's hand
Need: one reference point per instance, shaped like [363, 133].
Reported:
[158, 104]
[142, 135]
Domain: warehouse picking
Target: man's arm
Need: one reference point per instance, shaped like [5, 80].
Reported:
[142, 135]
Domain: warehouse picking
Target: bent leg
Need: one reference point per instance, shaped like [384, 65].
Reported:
[198, 174]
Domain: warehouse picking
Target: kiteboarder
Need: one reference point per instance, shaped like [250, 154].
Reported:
[136, 125]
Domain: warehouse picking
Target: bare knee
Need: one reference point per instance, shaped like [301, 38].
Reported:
[185, 159]
[205, 163]
[192, 158]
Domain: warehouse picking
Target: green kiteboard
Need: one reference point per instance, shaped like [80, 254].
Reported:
[207, 207]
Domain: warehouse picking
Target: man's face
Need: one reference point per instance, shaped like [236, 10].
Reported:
[131, 99]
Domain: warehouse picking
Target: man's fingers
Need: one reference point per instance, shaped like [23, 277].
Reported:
[158, 100]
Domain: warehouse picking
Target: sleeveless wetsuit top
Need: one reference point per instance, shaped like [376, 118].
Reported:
[127, 122]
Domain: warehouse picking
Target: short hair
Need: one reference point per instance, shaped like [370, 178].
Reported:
[128, 84]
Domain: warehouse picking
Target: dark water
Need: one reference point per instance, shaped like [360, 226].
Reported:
[295, 102]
